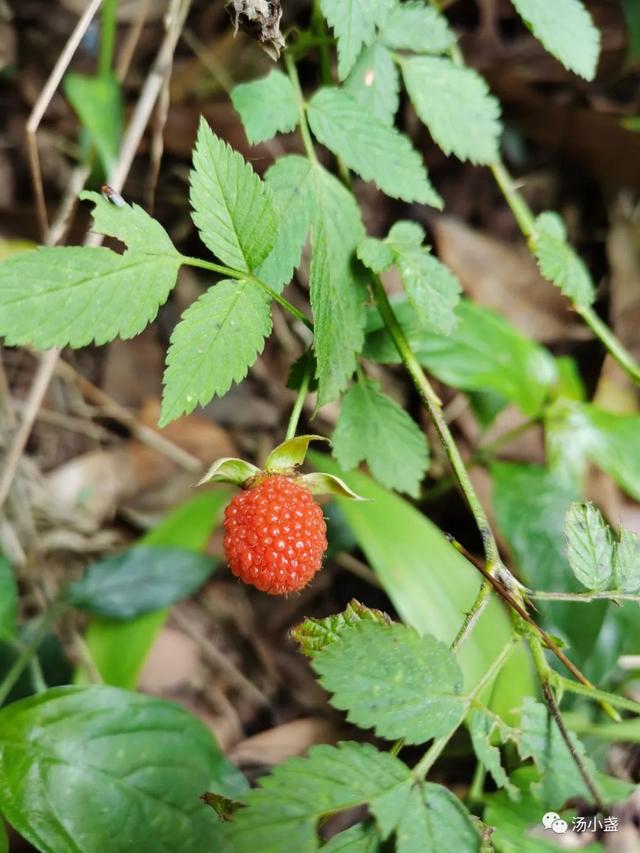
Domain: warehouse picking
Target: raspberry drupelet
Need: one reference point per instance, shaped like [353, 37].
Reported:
[275, 535]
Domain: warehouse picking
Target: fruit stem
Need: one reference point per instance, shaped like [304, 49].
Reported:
[297, 406]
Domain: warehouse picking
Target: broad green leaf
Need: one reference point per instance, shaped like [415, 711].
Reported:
[374, 428]
[98, 104]
[430, 584]
[567, 31]
[371, 148]
[481, 728]
[626, 562]
[361, 838]
[435, 821]
[354, 23]
[412, 692]
[284, 812]
[120, 649]
[541, 740]
[375, 254]
[232, 208]
[559, 263]
[414, 26]
[267, 106]
[74, 296]
[291, 182]
[82, 768]
[217, 340]
[338, 290]
[131, 224]
[455, 104]
[313, 635]
[374, 82]
[590, 546]
[140, 580]
[482, 353]
[8, 599]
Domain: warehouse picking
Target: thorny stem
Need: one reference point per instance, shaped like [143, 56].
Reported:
[297, 406]
[297, 91]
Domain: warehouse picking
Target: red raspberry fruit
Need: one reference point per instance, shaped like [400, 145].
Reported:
[275, 535]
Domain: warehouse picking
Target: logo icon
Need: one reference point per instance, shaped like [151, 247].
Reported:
[553, 821]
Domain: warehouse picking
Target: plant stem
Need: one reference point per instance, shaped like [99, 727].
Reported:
[320, 30]
[433, 754]
[297, 91]
[611, 595]
[29, 650]
[108, 27]
[297, 406]
[617, 351]
[599, 695]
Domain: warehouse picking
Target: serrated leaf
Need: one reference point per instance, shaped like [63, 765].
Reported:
[541, 740]
[266, 106]
[232, 208]
[313, 635]
[374, 428]
[142, 579]
[567, 31]
[589, 546]
[284, 812]
[131, 224]
[558, 261]
[338, 289]
[435, 821]
[481, 728]
[375, 254]
[361, 838]
[230, 470]
[354, 23]
[217, 340]
[368, 146]
[291, 181]
[414, 26]
[73, 296]
[451, 100]
[8, 599]
[374, 82]
[412, 692]
[626, 562]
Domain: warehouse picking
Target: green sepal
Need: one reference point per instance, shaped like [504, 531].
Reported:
[290, 453]
[230, 470]
[327, 484]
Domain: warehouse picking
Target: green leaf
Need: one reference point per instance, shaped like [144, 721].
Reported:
[405, 234]
[232, 208]
[108, 764]
[120, 649]
[4, 840]
[371, 148]
[559, 263]
[217, 340]
[139, 580]
[414, 26]
[541, 740]
[375, 254]
[266, 106]
[313, 635]
[481, 728]
[98, 104]
[589, 546]
[338, 290]
[284, 812]
[374, 82]
[412, 692]
[373, 427]
[354, 23]
[566, 29]
[612, 441]
[8, 600]
[482, 353]
[361, 838]
[626, 562]
[291, 453]
[451, 100]
[131, 224]
[435, 821]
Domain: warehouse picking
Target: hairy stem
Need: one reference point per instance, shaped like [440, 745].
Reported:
[594, 693]
[297, 406]
[611, 595]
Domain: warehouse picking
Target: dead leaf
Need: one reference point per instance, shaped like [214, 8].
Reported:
[282, 742]
[261, 20]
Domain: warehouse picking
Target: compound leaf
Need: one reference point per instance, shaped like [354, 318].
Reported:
[374, 82]
[354, 23]
[266, 106]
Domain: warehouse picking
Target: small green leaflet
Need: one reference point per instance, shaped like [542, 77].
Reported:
[354, 23]
[374, 428]
[284, 812]
[375, 254]
[374, 82]
[590, 546]
[266, 106]
[455, 104]
[361, 838]
[626, 566]
[566, 29]
[214, 345]
[368, 146]
[481, 728]
[232, 208]
[415, 26]
[412, 692]
[313, 635]
[559, 263]
[71, 296]
[435, 821]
